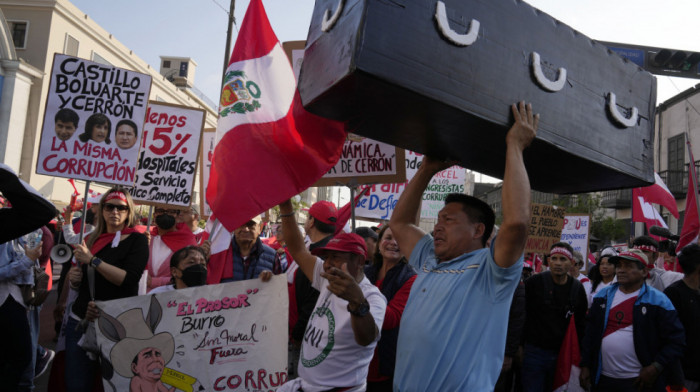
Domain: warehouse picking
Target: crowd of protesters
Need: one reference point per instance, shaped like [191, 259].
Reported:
[459, 309]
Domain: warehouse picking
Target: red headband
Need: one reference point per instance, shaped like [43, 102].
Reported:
[634, 255]
[562, 251]
[116, 195]
[645, 248]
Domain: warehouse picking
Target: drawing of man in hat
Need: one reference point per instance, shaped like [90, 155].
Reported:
[142, 355]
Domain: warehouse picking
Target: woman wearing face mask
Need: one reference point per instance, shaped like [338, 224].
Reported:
[188, 269]
[167, 237]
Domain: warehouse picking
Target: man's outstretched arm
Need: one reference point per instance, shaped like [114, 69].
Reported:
[295, 241]
[403, 219]
[515, 196]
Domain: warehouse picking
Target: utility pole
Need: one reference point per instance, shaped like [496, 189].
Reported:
[231, 21]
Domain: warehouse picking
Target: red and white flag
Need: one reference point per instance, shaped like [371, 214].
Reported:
[567, 372]
[691, 225]
[644, 211]
[264, 129]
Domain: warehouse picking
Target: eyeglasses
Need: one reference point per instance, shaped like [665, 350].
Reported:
[111, 207]
[164, 211]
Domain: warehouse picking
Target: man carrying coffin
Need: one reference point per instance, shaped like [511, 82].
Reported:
[454, 325]
[343, 330]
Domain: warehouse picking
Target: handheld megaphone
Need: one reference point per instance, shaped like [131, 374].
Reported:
[61, 253]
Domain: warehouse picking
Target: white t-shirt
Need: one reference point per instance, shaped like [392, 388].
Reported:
[619, 359]
[586, 286]
[330, 357]
[598, 289]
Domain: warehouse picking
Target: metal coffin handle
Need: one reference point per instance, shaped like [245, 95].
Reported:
[329, 21]
[618, 117]
[452, 36]
[542, 80]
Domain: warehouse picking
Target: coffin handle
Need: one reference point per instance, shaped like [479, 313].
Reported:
[329, 21]
[618, 117]
[452, 36]
[542, 80]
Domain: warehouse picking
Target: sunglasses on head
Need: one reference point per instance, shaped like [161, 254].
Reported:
[112, 207]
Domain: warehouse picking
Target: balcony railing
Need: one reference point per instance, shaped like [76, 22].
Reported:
[677, 180]
[620, 198]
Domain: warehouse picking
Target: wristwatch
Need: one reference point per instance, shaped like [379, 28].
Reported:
[361, 309]
[95, 261]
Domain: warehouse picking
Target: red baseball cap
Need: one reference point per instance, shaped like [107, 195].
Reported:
[345, 242]
[324, 211]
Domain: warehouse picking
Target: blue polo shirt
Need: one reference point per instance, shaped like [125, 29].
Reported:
[453, 329]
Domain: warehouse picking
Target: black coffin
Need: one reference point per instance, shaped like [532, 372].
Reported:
[387, 68]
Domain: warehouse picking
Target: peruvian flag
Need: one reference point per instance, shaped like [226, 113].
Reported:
[691, 224]
[644, 211]
[567, 372]
[264, 129]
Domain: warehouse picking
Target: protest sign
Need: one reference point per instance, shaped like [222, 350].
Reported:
[230, 336]
[93, 121]
[575, 233]
[379, 203]
[208, 144]
[546, 223]
[168, 159]
[366, 161]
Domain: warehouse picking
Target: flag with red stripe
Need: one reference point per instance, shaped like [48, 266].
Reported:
[264, 129]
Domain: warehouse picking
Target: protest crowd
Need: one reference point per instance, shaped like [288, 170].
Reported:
[391, 307]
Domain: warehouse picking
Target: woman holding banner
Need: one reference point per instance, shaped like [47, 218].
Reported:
[118, 255]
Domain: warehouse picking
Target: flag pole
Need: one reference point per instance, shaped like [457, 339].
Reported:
[227, 54]
[692, 169]
[83, 217]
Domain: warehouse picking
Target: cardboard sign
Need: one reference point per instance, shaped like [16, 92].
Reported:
[366, 161]
[168, 160]
[575, 233]
[93, 121]
[229, 336]
[546, 223]
[208, 144]
[379, 203]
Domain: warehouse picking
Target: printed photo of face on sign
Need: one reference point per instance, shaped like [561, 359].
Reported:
[93, 121]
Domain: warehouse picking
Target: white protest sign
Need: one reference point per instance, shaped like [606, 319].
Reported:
[230, 336]
[208, 144]
[366, 161]
[168, 160]
[575, 232]
[93, 121]
[379, 203]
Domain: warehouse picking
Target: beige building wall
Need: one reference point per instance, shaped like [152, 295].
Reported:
[52, 24]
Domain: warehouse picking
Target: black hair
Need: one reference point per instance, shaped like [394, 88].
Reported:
[477, 210]
[595, 277]
[129, 123]
[66, 115]
[689, 258]
[325, 228]
[92, 121]
[645, 240]
[180, 255]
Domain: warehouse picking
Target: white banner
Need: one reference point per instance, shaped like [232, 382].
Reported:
[230, 336]
[168, 160]
[363, 157]
[575, 233]
[379, 203]
[93, 121]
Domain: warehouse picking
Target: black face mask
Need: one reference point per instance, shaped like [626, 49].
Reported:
[165, 221]
[195, 275]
